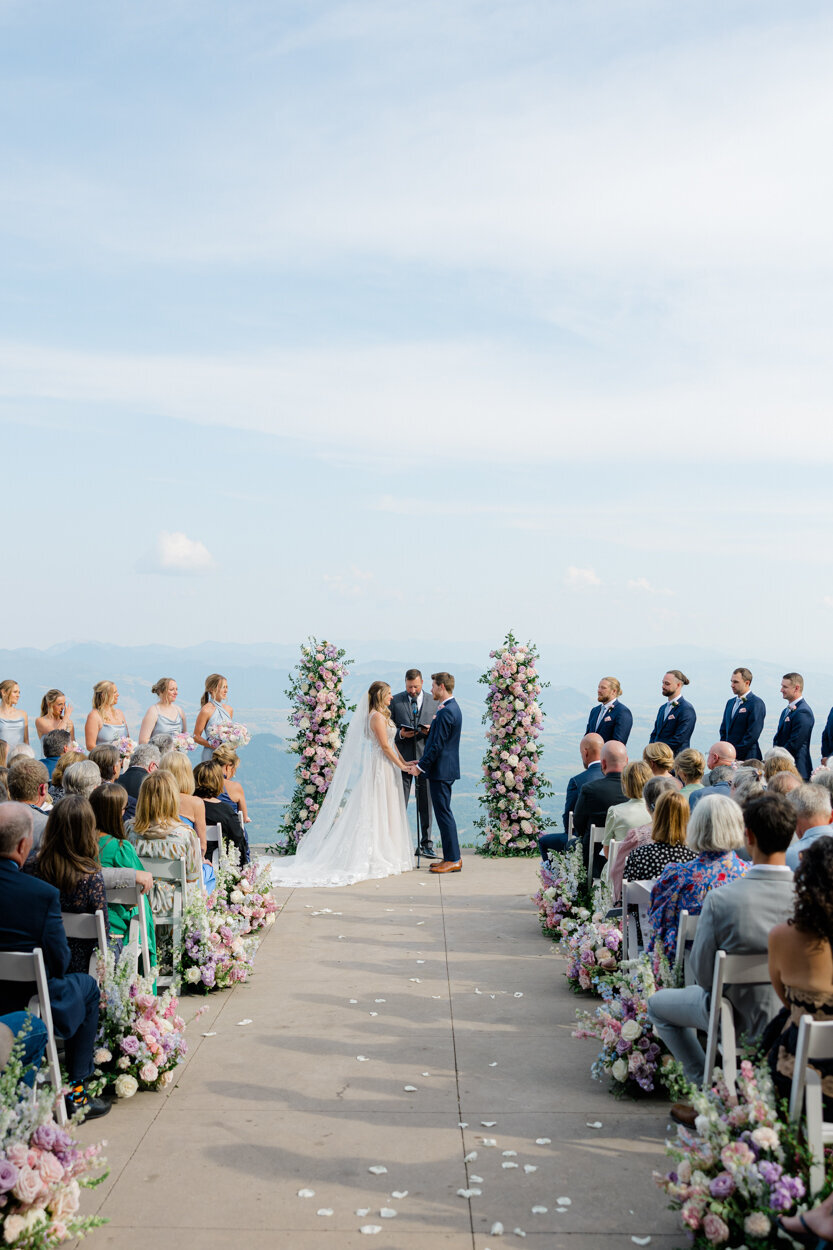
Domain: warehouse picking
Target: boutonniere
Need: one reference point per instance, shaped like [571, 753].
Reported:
[675, 704]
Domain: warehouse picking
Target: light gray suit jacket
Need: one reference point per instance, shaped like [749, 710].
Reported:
[400, 710]
[737, 918]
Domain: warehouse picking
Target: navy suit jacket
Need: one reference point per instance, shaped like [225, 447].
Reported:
[827, 736]
[678, 726]
[744, 730]
[574, 786]
[441, 757]
[794, 731]
[30, 916]
[616, 724]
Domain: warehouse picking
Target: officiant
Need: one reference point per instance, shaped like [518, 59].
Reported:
[412, 712]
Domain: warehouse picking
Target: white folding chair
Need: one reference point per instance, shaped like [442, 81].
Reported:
[137, 933]
[613, 850]
[729, 970]
[570, 834]
[815, 1041]
[28, 966]
[172, 870]
[635, 895]
[686, 930]
[213, 836]
[89, 925]
[597, 833]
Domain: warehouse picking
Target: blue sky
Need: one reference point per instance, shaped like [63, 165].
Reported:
[324, 317]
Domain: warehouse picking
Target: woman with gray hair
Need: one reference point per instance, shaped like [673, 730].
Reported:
[82, 778]
[715, 833]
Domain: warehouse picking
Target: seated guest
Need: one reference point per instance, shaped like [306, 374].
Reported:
[801, 966]
[745, 784]
[689, 766]
[736, 919]
[660, 759]
[30, 916]
[68, 859]
[143, 762]
[229, 761]
[209, 782]
[56, 785]
[597, 796]
[81, 778]
[55, 744]
[633, 813]
[105, 724]
[163, 743]
[590, 749]
[55, 715]
[676, 717]
[108, 761]
[34, 1043]
[668, 840]
[783, 783]
[4, 753]
[781, 762]
[757, 765]
[4, 785]
[22, 751]
[165, 717]
[14, 724]
[157, 833]
[191, 809]
[715, 833]
[654, 787]
[717, 781]
[823, 777]
[795, 726]
[108, 802]
[611, 720]
[813, 818]
[28, 783]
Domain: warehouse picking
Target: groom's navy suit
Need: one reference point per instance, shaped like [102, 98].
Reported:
[441, 764]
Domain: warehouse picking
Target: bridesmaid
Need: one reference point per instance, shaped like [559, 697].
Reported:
[213, 711]
[165, 717]
[14, 725]
[55, 713]
[105, 723]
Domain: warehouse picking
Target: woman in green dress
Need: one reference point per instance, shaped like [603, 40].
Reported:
[109, 801]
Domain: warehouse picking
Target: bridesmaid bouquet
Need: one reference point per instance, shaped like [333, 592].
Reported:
[140, 1037]
[184, 743]
[229, 734]
[42, 1167]
[125, 747]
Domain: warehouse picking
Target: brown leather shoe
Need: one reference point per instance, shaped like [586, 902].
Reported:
[447, 865]
[683, 1113]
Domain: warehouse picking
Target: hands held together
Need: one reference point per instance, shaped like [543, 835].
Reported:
[412, 769]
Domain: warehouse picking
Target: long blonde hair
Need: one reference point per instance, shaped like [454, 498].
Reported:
[212, 684]
[158, 802]
[375, 698]
[103, 694]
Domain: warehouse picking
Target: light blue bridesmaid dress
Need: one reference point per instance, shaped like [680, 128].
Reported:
[216, 718]
[166, 725]
[109, 735]
[11, 730]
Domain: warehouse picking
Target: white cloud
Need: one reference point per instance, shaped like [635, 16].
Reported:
[177, 553]
[581, 579]
[642, 584]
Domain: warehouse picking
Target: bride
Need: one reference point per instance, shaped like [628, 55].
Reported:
[362, 830]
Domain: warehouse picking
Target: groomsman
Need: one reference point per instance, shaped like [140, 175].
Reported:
[743, 717]
[676, 717]
[412, 712]
[612, 721]
[826, 739]
[795, 727]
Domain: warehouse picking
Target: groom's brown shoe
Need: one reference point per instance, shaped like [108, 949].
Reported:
[447, 865]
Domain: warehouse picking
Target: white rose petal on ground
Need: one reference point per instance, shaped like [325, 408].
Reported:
[518, 993]
[410, 1089]
[306, 1193]
[362, 1058]
[641, 1241]
[564, 1202]
[373, 1013]
[355, 1000]
[370, 1229]
[399, 1193]
[426, 1074]
[462, 1123]
[488, 1141]
[420, 961]
[379, 1169]
[543, 1141]
[244, 1022]
[539, 1210]
[209, 1034]
[470, 1157]
[530, 1167]
[362, 1211]
[509, 1154]
[478, 991]
[476, 1180]
[387, 1213]
[377, 1000]
[507, 1163]
[488, 1123]
[496, 1230]
[519, 1232]
[493, 1065]
[415, 980]
[594, 1124]
[324, 1211]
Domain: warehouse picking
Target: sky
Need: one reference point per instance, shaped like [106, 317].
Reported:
[359, 319]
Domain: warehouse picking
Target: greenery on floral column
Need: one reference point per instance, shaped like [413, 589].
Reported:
[512, 818]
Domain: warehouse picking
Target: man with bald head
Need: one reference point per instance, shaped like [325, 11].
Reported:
[599, 795]
[721, 762]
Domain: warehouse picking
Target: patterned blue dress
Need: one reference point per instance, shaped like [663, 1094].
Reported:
[682, 887]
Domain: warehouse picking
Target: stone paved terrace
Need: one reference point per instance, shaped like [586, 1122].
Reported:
[264, 1109]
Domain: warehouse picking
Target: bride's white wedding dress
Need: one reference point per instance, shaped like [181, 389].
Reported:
[362, 830]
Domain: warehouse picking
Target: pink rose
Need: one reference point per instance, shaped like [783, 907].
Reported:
[714, 1228]
[50, 1168]
[28, 1185]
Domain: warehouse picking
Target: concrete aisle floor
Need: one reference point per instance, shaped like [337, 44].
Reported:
[442, 984]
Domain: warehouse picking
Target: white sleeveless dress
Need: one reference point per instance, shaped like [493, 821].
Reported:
[364, 838]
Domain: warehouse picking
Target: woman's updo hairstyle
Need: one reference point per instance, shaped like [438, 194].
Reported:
[161, 687]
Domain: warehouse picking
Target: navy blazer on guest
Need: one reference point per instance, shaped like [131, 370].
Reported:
[677, 727]
[827, 736]
[744, 728]
[30, 916]
[794, 731]
[574, 785]
[441, 757]
[616, 724]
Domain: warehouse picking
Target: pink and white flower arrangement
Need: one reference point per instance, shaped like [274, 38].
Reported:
[317, 693]
[563, 889]
[184, 743]
[245, 894]
[42, 1168]
[632, 1055]
[739, 1168]
[125, 747]
[592, 946]
[512, 779]
[217, 942]
[229, 733]
[140, 1039]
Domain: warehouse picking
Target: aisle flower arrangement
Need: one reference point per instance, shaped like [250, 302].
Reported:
[42, 1168]
[739, 1168]
[592, 946]
[631, 1056]
[230, 733]
[316, 692]
[513, 782]
[245, 894]
[141, 1039]
[562, 891]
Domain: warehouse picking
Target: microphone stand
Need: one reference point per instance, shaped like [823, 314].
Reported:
[415, 727]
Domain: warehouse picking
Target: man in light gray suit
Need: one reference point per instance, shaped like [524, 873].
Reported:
[412, 711]
[735, 918]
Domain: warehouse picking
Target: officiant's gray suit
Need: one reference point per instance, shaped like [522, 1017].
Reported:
[401, 711]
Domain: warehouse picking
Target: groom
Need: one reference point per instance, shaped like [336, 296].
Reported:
[441, 764]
